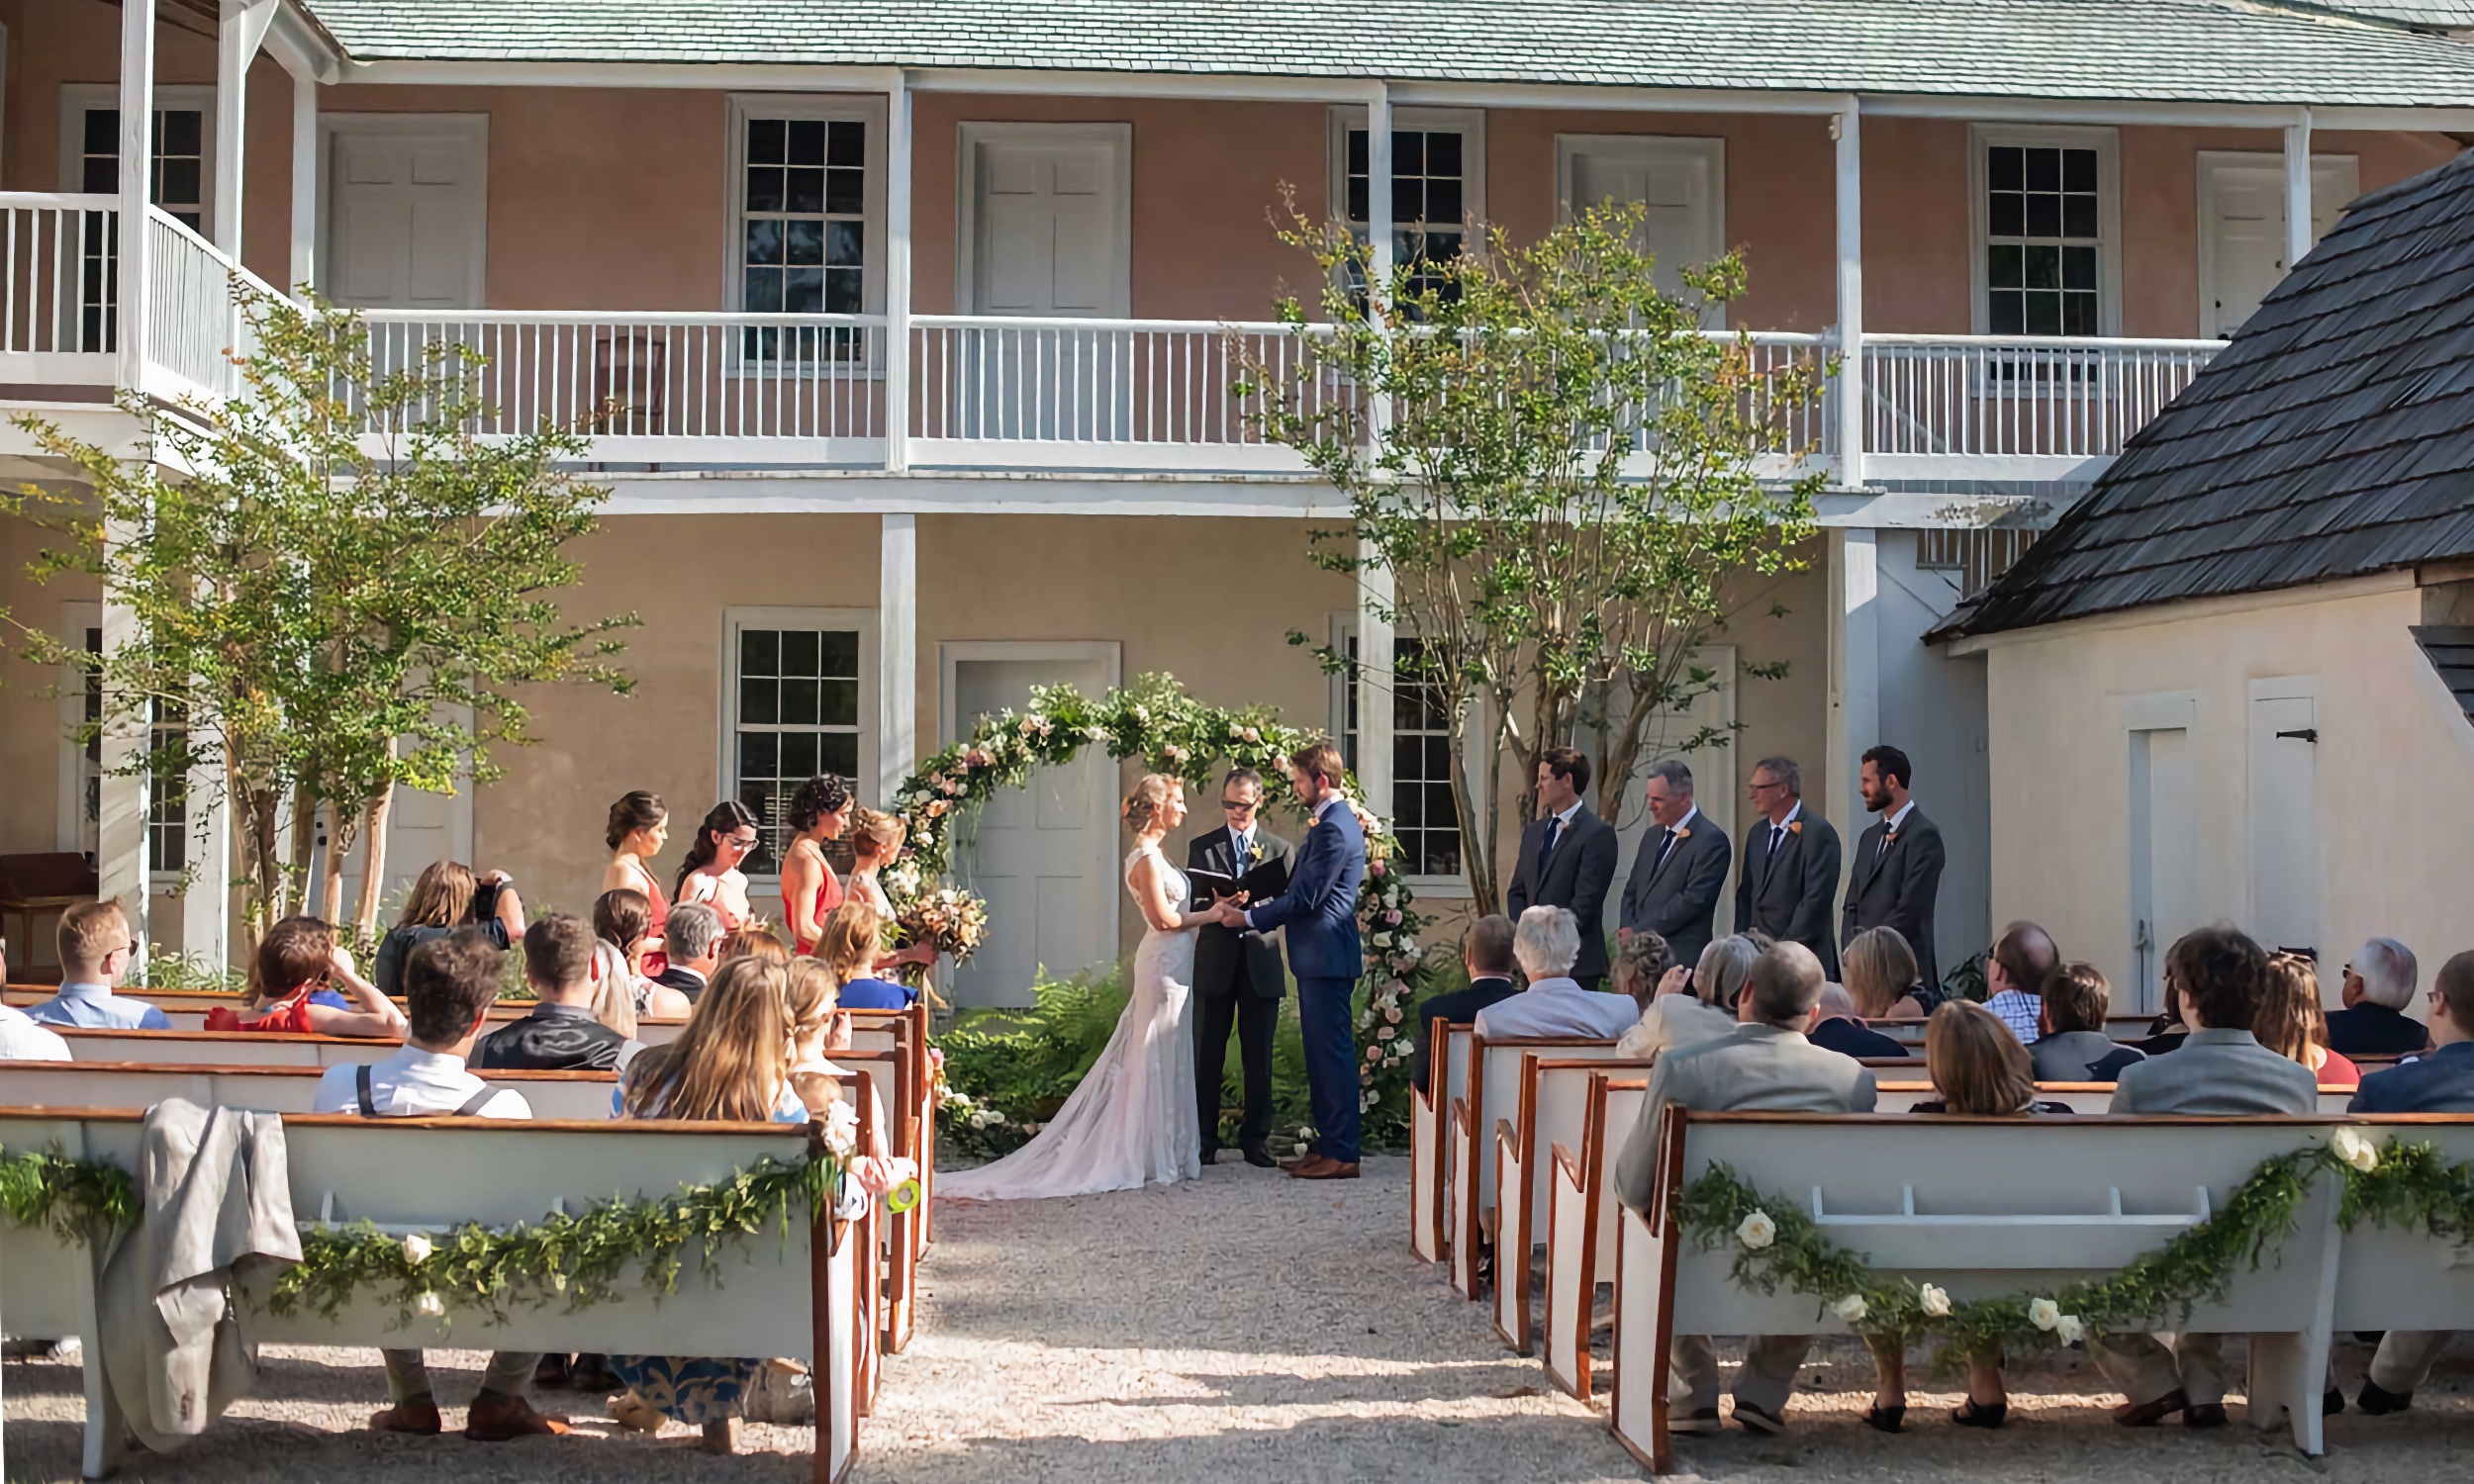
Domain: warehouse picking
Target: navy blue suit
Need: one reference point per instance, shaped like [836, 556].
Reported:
[1319, 912]
[2442, 1082]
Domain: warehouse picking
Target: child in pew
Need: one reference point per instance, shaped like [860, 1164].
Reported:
[2075, 1046]
[818, 1028]
[850, 947]
[562, 1034]
[730, 1064]
[1981, 1071]
[289, 994]
[96, 946]
[450, 983]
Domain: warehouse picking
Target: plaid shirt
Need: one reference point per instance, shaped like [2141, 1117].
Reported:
[2021, 1012]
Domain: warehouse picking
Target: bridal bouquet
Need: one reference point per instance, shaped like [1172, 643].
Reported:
[952, 922]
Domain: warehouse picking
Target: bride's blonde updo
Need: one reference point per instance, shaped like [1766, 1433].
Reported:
[1150, 796]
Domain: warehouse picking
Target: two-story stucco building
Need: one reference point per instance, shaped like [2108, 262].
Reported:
[918, 311]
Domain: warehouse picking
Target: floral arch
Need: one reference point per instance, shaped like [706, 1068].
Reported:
[1156, 721]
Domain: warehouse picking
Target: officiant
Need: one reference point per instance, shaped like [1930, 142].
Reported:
[1238, 975]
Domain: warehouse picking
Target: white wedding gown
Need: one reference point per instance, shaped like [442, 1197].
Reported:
[1132, 1121]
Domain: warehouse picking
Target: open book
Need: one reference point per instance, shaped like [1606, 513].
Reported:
[1265, 882]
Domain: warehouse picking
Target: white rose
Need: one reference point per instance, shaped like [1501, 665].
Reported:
[1934, 1301]
[2068, 1330]
[1850, 1308]
[2043, 1313]
[1408, 945]
[841, 1130]
[417, 1247]
[2356, 1150]
[429, 1306]
[1757, 1231]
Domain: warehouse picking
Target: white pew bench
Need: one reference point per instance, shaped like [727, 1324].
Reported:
[2401, 1278]
[1581, 1222]
[575, 1097]
[1447, 1073]
[1470, 1140]
[1981, 1207]
[796, 1294]
[1552, 1110]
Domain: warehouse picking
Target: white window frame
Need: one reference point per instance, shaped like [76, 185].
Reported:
[1344, 630]
[2107, 142]
[1469, 123]
[829, 108]
[973, 136]
[78, 97]
[870, 715]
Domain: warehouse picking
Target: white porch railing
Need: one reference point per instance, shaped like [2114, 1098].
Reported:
[1982, 407]
[197, 325]
[55, 288]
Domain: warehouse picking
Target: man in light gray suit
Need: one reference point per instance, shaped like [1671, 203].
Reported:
[1763, 1066]
[2223, 1070]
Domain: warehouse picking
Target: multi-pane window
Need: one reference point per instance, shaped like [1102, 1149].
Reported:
[795, 715]
[167, 792]
[2043, 232]
[1425, 814]
[178, 186]
[802, 224]
[1428, 213]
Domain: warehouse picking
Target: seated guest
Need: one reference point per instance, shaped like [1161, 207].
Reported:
[2223, 1070]
[2075, 1046]
[1641, 965]
[2291, 1023]
[852, 935]
[2168, 1031]
[21, 1039]
[1883, 979]
[1980, 1071]
[2016, 968]
[1547, 942]
[818, 1028]
[288, 994]
[694, 936]
[1693, 1004]
[1764, 1064]
[730, 1064]
[2378, 990]
[1486, 953]
[753, 940]
[450, 984]
[562, 1034]
[2442, 1082]
[622, 918]
[1840, 1031]
[96, 947]
[448, 897]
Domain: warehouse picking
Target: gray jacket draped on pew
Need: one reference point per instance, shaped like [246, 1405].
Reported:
[1760, 1069]
[215, 1192]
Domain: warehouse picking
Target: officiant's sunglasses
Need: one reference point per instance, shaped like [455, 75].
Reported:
[1232, 805]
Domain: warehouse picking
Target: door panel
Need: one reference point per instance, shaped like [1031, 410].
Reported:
[1678, 183]
[1046, 242]
[2284, 822]
[407, 218]
[2244, 202]
[2163, 890]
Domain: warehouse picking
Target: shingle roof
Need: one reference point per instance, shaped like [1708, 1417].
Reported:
[2333, 438]
[2222, 50]
[2448, 15]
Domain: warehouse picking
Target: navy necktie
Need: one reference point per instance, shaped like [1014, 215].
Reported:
[1554, 831]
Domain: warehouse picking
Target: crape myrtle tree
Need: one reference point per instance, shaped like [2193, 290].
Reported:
[1558, 471]
[341, 589]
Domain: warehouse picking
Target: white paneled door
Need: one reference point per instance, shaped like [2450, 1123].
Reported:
[2284, 824]
[1678, 183]
[408, 200]
[2241, 204]
[1048, 237]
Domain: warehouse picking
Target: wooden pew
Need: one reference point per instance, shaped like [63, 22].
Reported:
[570, 1096]
[1980, 1207]
[1447, 1073]
[794, 1293]
[1470, 1152]
[2400, 1277]
[1552, 1103]
[186, 1009]
[1581, 1223]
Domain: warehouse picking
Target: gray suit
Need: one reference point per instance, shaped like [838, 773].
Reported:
[1762, 1069]
[1675, 884]
[1575, 875]
[2222, 1073]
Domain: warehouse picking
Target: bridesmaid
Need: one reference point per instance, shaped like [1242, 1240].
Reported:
[711, 872]
[639, 826]
[820, 811]
[876, 842]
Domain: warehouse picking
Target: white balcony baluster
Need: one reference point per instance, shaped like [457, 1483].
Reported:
[2019, 407]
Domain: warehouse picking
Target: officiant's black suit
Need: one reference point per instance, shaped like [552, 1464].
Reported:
[1238, 983]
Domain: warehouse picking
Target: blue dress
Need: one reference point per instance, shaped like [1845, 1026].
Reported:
[878, 994]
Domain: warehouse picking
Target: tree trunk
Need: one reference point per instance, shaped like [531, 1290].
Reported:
[373, 860]
[1476, 842]
[330, 873]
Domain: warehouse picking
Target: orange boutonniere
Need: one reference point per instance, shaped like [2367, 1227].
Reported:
[1795, 826]
[1683, 834]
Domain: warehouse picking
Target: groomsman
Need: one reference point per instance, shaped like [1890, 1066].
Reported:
[1897, 871]
[1238, 975]
[1566, 858]
[1790, 865]
[1681, 871]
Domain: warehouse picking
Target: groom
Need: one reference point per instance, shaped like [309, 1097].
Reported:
[1320, 912]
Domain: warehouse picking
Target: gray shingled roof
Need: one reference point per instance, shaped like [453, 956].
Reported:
[2333, 438]
[2221, 51]
[2448, 15]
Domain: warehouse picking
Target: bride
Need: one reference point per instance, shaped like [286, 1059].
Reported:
[1131, 1121]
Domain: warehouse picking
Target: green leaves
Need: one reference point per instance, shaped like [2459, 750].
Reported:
[82, 1200]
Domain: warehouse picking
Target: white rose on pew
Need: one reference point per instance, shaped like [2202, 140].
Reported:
[841, 1131]
[2068, 1330]
[417, 1247]
[1933, 1301]
[1849, 1309]
[1757, 1231]
[429, 1306]
[2356, 1150]
[2044, 1314]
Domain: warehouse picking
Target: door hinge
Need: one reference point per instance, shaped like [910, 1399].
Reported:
[2306, 733]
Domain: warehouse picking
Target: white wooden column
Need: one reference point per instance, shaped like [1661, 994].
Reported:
[2298, 218]
[121, 825]
[1854, 723]
[238, 35]
[137, 172]
[897, 653]
[1375, 678]
[1849, 407]
[302, 269]
[897, 275]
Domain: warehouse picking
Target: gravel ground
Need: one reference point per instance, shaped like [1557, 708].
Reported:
[1247, 1327]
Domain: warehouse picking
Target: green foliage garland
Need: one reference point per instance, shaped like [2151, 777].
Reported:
[82, 1200]
[576, 1257]
[2409, 1186]
[1156, 721]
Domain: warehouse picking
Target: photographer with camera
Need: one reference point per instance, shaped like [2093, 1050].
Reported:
[448, 897]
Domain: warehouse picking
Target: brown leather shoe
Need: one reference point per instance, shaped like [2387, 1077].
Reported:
[414, 1415]
[1326, 1169]
[504, 1418]
[1300, 1162]
[2148, 1414]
